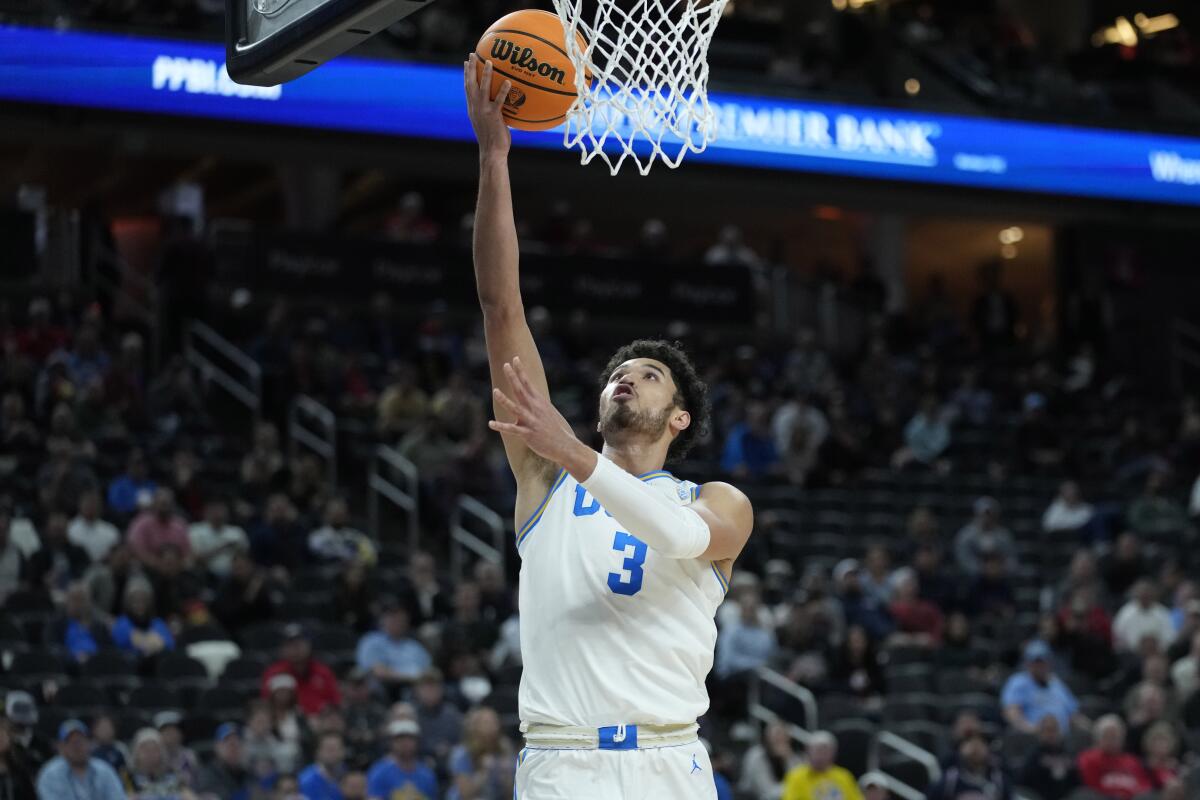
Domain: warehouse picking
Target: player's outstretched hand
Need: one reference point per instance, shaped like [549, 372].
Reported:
[535, 419]
[484, 110]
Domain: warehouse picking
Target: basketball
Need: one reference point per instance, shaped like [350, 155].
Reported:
[529, 49]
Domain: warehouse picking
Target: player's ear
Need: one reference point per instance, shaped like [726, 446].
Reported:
[681, 421]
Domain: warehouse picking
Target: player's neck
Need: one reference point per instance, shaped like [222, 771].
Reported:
[636, 458]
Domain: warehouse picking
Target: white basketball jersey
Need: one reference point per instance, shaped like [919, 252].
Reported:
[612, 633]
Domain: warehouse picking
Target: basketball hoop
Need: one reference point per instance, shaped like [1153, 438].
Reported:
[648, 60]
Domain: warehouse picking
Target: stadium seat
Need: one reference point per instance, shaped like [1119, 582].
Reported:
[82, 699]
[113, 669]
[245, 669]
[334, 641]
[909, 678]
[154, 697]
[1017, 745]
[38, 665]
[917, 706]
[909, 772]
[223, 702]
[927, 735]
[833, 707]
[856, 744]
[131, 720]
[198, 726]
[181, 670]
[202, 633]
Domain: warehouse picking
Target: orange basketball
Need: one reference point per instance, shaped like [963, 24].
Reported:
[529, 49]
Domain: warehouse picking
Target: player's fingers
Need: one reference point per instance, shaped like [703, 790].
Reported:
[520, 392]
[506, 401]
[502, 95]
[485, 82]
[507, 427]
[523, 377]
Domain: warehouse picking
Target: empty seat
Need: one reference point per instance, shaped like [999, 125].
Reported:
[181, 670]
[82, 699]
[113, 669]
[856, 744]
[223, 702]
[245, 668]
[38, 665]
[927, 735]
[909, 772]
[155, 697]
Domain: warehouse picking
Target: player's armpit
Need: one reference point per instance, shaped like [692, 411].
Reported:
[730, 519]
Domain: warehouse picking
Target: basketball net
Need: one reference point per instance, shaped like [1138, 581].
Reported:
[647, 97]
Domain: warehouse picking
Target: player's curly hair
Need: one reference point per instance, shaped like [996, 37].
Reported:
[691, 393]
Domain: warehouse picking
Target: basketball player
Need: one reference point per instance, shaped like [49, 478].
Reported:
[622, 564]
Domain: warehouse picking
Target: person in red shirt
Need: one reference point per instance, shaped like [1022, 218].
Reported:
[1107, 769]
[917, 620]
[316, 685]
[157, 527]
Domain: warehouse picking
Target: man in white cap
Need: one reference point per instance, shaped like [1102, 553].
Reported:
[74, 773]
[22, 713]
[400, 772]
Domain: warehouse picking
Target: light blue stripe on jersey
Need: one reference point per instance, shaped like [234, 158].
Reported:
[720, 577]
[528, 527]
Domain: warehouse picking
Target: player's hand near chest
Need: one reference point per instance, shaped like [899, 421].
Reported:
[723, 509]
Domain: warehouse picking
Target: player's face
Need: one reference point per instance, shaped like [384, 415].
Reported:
[639, 401]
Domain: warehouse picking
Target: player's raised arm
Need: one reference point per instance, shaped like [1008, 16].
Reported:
[497, 261]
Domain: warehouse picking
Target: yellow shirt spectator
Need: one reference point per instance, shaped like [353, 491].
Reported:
[833, 783]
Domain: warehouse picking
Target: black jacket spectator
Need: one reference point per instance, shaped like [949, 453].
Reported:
[58, 562]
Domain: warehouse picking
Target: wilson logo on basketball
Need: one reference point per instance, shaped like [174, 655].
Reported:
[522, 57]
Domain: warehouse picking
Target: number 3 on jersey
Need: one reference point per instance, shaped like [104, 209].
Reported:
[632, 566]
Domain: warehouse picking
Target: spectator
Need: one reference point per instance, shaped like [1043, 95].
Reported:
[922, 529]
[246, 596]
[336, 541]
[917, 621]
[820, 778]
[483, 765]
[95, 535]
[875, 786]
[1141, 618]
[495, 598]
[731, 250]
[225, 776]
[410, 222]
[320, 780]
[859, 608]
[265, 751]
[799, 430]
[400, 773]
[806, 366]
[441, 721]
[41, 336]
[1154, 513]
[57, 562]
[1049, 769]
[78, 630]
[974, 774]
[749, 449]
[983, 534]
[467, 632]
[74, 772]
[31, 747]
[265, 461]
[315, 684]
[934, 583]
[767, 763]
[926, 436]
[214, 541]
[157, 527]
[288, 722]
[16, 782]
[14, 569]
[1160, 748]
[745, 645]
[354, 598]
[403, 404]
[1185, 673]
[994, 313]
[990, 596]
[426, 597]
[1068, 513]
[363, 715]
[353, 786]
[133, 489]
[149, 774]
[857, 666]
[1107, 769]
[389, 654]
[277, 540]
[1086, 633]
[1145, 705]
[1125, 565]
[138, 631]
[107, 747]
[1037, 692]
[972, 402]
[87, 360]
[181, 760]
[876, 573]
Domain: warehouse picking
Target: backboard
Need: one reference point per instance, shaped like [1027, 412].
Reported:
[269, 42]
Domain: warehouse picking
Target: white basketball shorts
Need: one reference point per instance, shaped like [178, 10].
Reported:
[676, 772]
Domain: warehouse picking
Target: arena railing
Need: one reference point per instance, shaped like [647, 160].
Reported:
[887, 739]
[1185, 352]
[221, 362]
[314, 426]
[807, 700]
[394, 478]
[463, 540]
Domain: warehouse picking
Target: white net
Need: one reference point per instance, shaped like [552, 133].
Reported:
[642, 79]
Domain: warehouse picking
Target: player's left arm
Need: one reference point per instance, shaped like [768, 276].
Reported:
[730, 519]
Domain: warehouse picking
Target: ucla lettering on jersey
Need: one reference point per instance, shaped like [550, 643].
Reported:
[611, 632]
